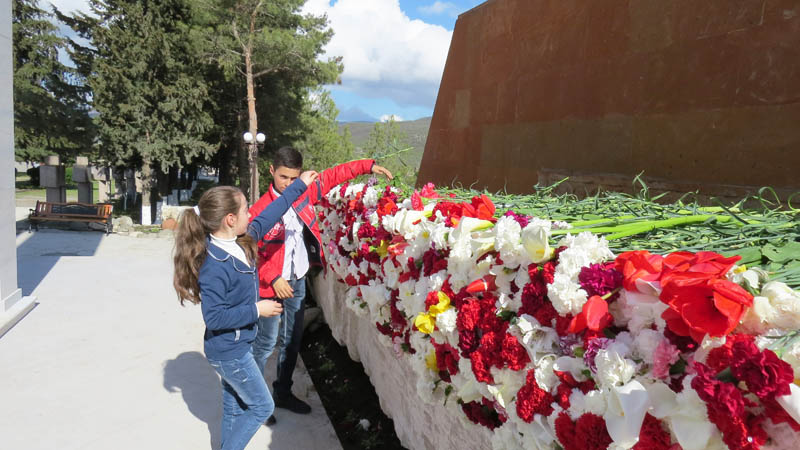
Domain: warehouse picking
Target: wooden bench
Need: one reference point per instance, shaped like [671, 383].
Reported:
[70, 212]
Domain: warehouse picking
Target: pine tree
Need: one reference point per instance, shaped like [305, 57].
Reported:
[51, 111]
[148, 87]
[274, 49]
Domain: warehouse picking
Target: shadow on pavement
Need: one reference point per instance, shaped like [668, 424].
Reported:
[200, 387]
[41, 250]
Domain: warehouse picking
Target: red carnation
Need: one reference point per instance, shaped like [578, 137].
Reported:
[565, 430]
[432, 299]
[469, 314]
[726, 409]
[766, 376]
[481, 363]
[653, 436]
[563, 391]
[531, 399]
[546, 314]
[483, 413]
[446, 358]
[719, 358]
[587, 433]
[513, 354]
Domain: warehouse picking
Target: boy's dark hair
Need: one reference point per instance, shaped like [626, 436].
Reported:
[287, 157]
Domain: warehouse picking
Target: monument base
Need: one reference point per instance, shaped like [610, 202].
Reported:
[394, 379]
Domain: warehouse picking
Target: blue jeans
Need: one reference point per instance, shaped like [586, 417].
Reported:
[246, 402]
[289, 326]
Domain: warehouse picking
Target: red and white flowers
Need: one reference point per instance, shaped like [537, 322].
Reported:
[563, 343]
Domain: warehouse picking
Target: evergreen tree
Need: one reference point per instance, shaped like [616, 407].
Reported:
[274, 49]
[51, 111]
[148, 87]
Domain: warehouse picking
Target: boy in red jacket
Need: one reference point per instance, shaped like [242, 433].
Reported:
[286, 253]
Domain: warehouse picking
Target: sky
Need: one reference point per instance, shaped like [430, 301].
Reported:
[394, 52]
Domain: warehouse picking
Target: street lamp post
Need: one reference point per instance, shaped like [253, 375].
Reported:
[252, 159]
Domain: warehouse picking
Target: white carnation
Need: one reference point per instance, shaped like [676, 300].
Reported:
[778, 306]
[645, 345]
[446, 321]
[612, 368]
[370, 198]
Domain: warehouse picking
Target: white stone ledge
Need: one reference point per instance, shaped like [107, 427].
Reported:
[15, 313]
[419, 425]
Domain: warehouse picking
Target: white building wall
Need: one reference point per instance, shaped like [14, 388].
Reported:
[12, 305]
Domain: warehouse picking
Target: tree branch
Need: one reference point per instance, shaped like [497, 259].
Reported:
[268, 71]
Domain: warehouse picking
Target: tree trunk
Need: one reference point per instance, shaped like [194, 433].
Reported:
[252, 155]
[149, 194]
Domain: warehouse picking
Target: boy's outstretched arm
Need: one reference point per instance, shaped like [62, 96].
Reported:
[336, 175]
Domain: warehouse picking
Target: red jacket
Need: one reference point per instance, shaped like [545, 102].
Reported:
[271, 248]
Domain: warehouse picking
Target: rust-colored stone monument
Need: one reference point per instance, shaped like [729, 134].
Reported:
[695, 94]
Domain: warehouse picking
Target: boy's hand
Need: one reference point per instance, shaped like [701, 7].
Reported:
[380, 170]
[309, 176]
[282, 288]
[268, 308]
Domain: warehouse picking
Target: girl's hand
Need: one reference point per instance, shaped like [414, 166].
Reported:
[268, 308]
[309, 176]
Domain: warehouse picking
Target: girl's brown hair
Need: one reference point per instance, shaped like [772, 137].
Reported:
[191, 235]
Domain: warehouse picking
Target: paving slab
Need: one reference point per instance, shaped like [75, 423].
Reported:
[108, 359]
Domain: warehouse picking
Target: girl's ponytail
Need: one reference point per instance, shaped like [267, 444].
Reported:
[190, 252]
[190, 237]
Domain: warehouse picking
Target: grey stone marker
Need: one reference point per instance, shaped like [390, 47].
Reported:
[52, 177]
[103, 177]
[82, 175]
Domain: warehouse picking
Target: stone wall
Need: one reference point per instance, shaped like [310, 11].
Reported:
[419, 425]
[12, 305]
[8, 260]
[698, 93]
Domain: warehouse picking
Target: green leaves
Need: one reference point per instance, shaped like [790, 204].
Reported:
[783, 254]
[148, 85]
[51, 111]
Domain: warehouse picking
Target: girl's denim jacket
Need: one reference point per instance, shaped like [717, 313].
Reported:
[229, 288]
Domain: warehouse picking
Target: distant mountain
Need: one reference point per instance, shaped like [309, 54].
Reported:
[416, 130]
[355, 114]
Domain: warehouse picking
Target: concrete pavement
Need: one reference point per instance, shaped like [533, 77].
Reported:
[108, 359]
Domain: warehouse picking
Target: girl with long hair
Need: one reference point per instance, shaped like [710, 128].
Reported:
[215, 266]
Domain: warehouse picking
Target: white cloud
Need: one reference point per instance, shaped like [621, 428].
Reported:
[438, 7]
[385, 53]
[388, 117]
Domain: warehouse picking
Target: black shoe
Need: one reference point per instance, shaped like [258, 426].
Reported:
[292, 403]
[271, 421]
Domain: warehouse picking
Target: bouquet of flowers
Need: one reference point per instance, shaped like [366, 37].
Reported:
[562, 344]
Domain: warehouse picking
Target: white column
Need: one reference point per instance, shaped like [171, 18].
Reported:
[12, 305]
